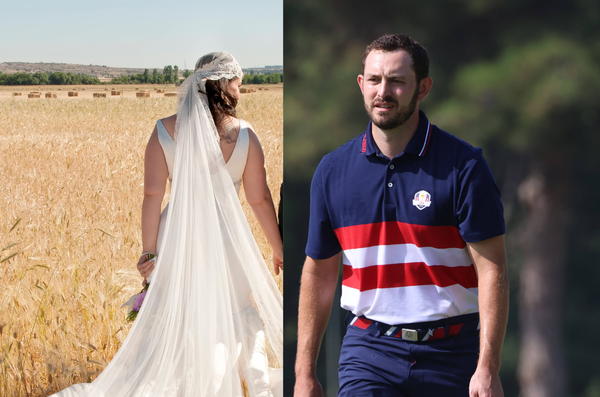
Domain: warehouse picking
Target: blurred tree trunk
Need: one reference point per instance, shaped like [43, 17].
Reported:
[543, 193]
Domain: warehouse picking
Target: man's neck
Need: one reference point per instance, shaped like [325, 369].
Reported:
[393, 142]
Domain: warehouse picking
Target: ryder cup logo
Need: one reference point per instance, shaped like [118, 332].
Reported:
[422, 200]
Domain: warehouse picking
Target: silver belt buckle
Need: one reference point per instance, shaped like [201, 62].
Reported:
[410, 334]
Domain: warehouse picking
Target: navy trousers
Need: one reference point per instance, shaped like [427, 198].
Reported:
[372, 364]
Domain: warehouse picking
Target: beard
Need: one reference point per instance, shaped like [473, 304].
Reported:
[391, 121]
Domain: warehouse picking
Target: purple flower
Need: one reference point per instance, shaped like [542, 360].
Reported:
[139, 300]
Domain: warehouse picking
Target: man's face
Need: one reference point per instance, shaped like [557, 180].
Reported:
[389, 88]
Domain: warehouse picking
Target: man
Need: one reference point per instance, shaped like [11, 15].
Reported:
[416, 216]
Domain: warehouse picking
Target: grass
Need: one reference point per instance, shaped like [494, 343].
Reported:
[71, 183]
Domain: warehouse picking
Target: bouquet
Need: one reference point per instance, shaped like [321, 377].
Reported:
[135, 302]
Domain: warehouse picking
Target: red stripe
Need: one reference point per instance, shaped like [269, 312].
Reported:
[408, 275]
[428, 139]
[362, 323]
[364, 144]
[388, 233]
[440, 333]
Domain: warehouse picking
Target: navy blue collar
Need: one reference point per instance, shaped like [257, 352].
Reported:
[417, 144]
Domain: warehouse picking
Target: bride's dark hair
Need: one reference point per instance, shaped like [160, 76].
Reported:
[220, 102]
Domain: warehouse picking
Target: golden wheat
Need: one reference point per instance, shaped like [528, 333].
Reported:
[71, 183]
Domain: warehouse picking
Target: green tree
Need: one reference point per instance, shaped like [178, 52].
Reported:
[168, 74]
[546, 123]
[42, 78]
[258, 79]
[146, 76]
[58, 78]
[176, 74]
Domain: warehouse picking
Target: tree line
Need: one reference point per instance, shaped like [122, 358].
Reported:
[169, 75]
[271, 78]
[42, 78]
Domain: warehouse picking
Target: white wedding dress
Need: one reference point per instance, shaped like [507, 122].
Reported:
[198, 332]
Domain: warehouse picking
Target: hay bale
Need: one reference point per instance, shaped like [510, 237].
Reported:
[160, 91]
[34, 95]
[143, 94]
[50, 95]
[17, 94]
[99, 94]
[73, 93]
[170, 94]
[114, 92]
[244, 90]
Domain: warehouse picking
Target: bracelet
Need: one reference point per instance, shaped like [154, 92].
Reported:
[149, 256]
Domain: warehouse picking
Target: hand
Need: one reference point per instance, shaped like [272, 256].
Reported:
[484, 383]
[308, 386]
[277, 262]
[145, 267]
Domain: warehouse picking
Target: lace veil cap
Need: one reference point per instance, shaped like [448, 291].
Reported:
[218, 65]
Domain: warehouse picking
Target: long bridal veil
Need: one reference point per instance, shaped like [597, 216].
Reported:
[198, 330]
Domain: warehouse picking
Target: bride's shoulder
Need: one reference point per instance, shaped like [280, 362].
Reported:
[169, 122]
[253, 138]
[248, 125]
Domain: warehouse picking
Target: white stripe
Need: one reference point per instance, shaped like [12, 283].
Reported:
[410, 304]
[429, 334]
[390, 331]
[406, 253]
[426, 135]
[353, 320]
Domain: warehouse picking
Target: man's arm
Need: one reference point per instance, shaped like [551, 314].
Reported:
[317, 290]
[489, 258]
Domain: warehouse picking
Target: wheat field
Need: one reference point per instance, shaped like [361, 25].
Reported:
[71, 189]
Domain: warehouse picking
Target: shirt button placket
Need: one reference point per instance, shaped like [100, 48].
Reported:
[389, 174]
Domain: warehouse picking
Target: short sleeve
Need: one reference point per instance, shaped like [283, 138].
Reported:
[322, 241]
[479, 209]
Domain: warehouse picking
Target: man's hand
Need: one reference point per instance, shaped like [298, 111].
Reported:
[308, 386]
[317, 289]
[485, 384]
[490, 262]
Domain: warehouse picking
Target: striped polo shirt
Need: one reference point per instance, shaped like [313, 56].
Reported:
[403, 224]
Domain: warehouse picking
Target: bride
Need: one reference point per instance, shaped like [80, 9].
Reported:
[212, 321]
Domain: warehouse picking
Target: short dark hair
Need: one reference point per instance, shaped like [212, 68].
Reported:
[393, 42]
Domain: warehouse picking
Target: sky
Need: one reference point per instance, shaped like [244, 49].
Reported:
[141, 34]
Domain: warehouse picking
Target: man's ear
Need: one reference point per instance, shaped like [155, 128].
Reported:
[360, 79]
[424, 87]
